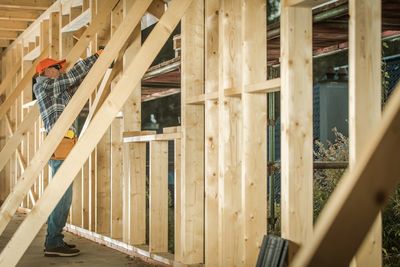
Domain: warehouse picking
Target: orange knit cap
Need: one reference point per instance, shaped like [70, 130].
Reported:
[48, 62]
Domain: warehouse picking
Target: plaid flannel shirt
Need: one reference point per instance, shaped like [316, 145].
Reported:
[54, 94]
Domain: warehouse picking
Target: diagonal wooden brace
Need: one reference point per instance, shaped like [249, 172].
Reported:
[14, 250]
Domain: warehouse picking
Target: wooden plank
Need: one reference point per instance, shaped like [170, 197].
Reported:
[192, 80]
[75, 105]
[212, 11]
[8, 35]
[116, 179]
[103, 207]
[54, 27]
[365, 103]
[152, 137]
[158, 197]
[359, 187]
[136, 172]
[268, 86]
[7, 25]
[135, 193]
[296, 126]
[32, 55]
[27, 15]
[254, 172]
[230, 221]
[178, 201]
[85, 195]
[157, 8]
[26, 4]
[32, 224]
[76, 207]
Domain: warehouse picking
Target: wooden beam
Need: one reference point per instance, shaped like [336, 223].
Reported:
[192, 77]
[254, 172]
[8, 35]
[47, 148]
[212, 12]
[26, 4]
[9, 25]
[54, 35]
[158, 191]
[65, 175]
[6, 81]
[365, 103]
[268, 86]
[296, 126]
[177, 201]
[230, 221]
[19, 15]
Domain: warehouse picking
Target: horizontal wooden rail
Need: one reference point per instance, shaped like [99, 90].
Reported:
[199, 100]
[77, 23]
[308, 3]
[267, 86]
[152, 137]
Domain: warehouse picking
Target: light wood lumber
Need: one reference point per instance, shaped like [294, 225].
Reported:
[177, 201]
[27, 4]
[6, 81]
[78, 22]
[158, 197]
[296, 127]
[230, 220]
[152, 137]
[268, 86]
[8, 25]
[365, 104]
[32, 224]
[212, 11]
[254, 169]
[116, 179]
[306, 3]
[192, 151]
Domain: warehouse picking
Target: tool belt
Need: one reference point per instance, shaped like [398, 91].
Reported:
[65, 146]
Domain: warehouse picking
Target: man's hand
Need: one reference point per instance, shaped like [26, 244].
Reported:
[99, 52]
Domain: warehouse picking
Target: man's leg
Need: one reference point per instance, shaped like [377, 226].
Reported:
[58, 217]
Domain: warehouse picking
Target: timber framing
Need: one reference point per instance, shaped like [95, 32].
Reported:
[122, 173]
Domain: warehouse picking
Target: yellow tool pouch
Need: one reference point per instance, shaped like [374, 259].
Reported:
[65, 146]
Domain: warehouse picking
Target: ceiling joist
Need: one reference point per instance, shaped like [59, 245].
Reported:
[8, 35]
[26, 4]
[10, 25]
[19, 15]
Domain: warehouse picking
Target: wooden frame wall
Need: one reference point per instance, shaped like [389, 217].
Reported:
[220, 189]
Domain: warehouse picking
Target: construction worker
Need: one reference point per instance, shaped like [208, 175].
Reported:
[53, 89]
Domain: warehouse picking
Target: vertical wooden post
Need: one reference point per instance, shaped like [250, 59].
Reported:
[158, 190]
[135, 179]
[254, 170]
[103, 219]
[231, 224]
[192, 213]
[365, 103]
[296, 126]
[212, 13]
[178, 200]
[116, 181]
[55, 35]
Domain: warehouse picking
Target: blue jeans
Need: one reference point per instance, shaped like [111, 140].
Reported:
[58, 218]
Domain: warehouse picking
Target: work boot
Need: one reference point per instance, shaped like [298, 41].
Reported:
[63, 251]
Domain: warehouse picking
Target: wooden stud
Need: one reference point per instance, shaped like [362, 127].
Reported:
[212, 11]
[230, 222]
[178, 201]
[158, 191]
[116, 181]
[254, 172]
[76, 207]
[365, 103]
[85, 194]
[55, 35]
[192, 213]
[296, 126]
[32, 224]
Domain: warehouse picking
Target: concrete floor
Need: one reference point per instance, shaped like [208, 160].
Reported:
[92, 254]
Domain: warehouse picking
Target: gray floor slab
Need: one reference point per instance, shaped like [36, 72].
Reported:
[92, 254]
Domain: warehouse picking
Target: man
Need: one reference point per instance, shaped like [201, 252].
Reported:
[53, 90]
